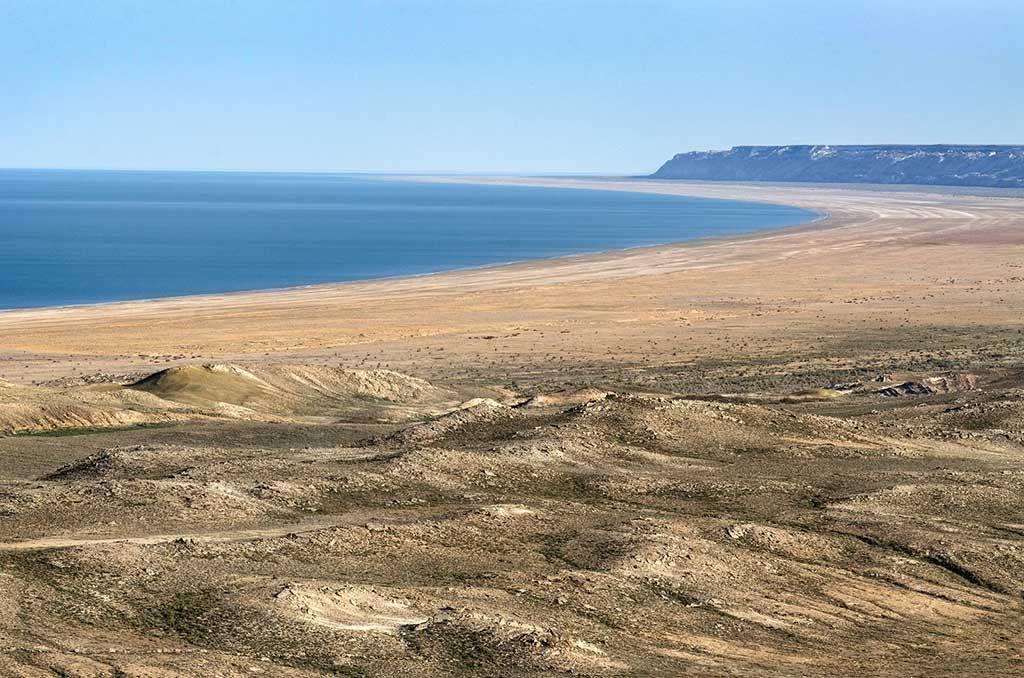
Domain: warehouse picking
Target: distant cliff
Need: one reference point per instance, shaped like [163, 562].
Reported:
[1001, 166]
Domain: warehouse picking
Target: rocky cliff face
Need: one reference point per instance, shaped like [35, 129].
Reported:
[1000, 166]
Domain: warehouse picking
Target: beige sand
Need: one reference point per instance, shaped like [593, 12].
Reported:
[881, 262]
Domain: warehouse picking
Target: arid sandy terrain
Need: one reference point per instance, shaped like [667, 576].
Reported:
[794, 452]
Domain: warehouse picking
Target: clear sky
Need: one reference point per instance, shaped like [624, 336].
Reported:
[530, 86]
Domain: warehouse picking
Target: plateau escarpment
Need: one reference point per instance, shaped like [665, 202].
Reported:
[946, 165]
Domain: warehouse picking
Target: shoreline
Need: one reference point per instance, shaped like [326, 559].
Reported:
[903, 248]
[818, 218]
[796, 194]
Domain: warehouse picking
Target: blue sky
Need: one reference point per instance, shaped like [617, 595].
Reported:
[494, 86]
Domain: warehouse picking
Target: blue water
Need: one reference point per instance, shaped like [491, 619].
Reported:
[71, 237]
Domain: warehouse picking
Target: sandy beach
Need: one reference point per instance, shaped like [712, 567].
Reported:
[880, 266]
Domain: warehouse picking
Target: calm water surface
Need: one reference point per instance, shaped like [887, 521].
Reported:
[71, 237]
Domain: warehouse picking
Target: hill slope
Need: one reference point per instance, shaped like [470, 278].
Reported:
[295, 390]
[949, 165]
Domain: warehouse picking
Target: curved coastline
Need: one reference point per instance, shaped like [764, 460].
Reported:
[816, 218]
[866, 244]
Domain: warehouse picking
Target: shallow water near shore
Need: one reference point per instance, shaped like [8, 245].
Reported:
[73, 237]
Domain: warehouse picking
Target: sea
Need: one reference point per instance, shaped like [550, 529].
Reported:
[86, 236]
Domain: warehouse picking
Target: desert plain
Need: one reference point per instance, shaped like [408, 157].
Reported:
[791, 452]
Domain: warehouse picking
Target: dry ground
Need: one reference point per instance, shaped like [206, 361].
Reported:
[797, 452]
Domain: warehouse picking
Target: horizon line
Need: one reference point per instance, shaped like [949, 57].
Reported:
[437, 172]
